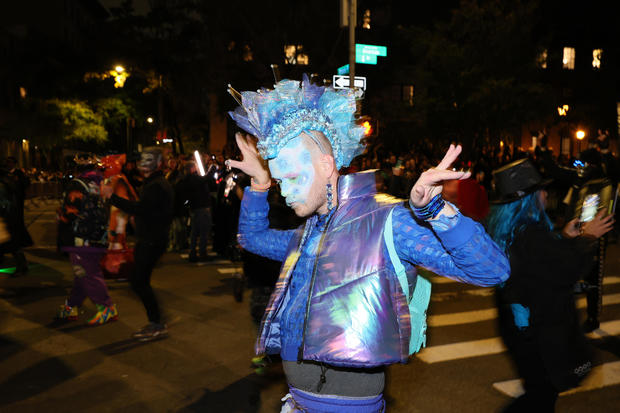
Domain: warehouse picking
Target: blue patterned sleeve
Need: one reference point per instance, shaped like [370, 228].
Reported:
[254, 232]
[460, 249]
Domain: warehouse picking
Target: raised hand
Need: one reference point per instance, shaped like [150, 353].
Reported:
[252, 164]
[430, 182]
[599, 226]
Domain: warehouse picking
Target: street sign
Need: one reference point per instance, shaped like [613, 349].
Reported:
[344, 82]
[343, 70]
[367, 53]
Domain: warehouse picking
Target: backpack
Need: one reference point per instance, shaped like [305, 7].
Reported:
[91, 222]
[418, 301]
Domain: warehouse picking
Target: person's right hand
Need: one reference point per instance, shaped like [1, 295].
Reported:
[252, 164]
[599, 226]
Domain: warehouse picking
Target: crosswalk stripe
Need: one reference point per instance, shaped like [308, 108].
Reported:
[465, 349]
[611, 279]
[493, 345]
[607, 374]
[606, 329]
[229, 270]
[465, 317]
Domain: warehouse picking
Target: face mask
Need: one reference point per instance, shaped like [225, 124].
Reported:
[293, 169]
[148, 161]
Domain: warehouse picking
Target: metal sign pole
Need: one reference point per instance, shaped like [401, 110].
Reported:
[352, 24]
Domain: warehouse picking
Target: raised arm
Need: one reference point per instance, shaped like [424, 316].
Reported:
[440, 238]
[254, 232]
[456, 247]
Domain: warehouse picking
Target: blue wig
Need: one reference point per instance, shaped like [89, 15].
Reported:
[508, 220]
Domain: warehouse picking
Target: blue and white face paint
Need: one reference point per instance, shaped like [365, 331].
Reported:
[294, 171]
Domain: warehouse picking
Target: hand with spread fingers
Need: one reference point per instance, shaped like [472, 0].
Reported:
[430, 182]
[252, 164]
[599, 226]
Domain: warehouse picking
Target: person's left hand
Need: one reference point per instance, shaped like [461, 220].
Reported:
[430, 182]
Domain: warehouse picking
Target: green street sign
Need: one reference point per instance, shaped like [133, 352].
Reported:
[367, 53]
[343, 70]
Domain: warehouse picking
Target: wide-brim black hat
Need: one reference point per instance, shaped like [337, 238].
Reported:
[516, 180]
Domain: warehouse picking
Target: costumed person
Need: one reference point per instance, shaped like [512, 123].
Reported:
[119, 259]
[17, 182]
[537, 314]
[153, 215]
[82, 233]
[348, 300]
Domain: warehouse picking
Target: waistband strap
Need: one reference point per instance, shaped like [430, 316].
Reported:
[319, 403]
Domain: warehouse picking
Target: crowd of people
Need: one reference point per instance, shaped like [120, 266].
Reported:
[477, 218]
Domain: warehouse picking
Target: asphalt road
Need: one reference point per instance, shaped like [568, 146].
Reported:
[205, 363]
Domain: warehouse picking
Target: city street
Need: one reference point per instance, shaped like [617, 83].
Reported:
[204, 365]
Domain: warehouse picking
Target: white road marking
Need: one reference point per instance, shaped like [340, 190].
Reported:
[435, 279]
[607, 374]
[461, 350]
[476, 316]
[229, 270]
[493, 345]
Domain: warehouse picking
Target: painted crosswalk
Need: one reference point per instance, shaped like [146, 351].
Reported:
[493, 345]
[232, 270]
[476, 316]
[607, 374]
[602, 375]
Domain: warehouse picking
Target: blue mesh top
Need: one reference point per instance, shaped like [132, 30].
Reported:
[456, 247]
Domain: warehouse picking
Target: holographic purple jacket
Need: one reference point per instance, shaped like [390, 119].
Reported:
[357, 314]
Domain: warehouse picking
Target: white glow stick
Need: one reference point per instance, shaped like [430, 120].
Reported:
[201, 168]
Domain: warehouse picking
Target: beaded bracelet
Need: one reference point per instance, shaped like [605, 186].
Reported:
[258, 187]
[430, 210]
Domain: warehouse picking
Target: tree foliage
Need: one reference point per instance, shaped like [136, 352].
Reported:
[475, 75]
[78, 121]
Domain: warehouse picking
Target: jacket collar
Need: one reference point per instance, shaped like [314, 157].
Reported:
[356, 185]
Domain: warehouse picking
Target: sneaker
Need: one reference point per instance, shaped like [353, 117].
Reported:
[66, 312]
[151, 331]
[259, 361]
[104, 315]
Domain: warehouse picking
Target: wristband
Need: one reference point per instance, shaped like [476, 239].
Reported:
[430, 210]
[258, 187]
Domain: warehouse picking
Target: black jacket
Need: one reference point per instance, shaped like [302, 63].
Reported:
[153, 211]
[544, 270]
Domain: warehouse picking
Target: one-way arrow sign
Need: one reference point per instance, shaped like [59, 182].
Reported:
[343, 82]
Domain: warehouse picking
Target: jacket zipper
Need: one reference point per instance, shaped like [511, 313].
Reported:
[300, 352]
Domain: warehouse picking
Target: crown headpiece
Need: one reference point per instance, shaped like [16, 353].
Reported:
[279, 115]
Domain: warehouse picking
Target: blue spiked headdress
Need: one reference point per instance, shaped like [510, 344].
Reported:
[276, 116]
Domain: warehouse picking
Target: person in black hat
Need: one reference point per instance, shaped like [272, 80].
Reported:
[537, 314]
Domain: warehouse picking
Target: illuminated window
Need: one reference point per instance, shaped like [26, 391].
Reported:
[568, 59]
[542, 59]
[596, 58]
[294, 55]
[408, 94]
[303, 59]
[366, 20]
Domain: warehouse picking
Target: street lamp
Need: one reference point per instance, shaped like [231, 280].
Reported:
[580, 134]
[149, 119]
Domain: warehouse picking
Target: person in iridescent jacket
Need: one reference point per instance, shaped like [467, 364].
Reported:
[348, 301]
